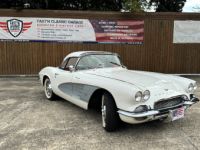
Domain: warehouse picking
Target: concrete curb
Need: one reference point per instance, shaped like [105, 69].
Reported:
[19, 76]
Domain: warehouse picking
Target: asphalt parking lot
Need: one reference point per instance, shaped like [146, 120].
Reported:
[29, 121]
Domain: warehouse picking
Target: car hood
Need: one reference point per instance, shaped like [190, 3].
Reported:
[140, 79]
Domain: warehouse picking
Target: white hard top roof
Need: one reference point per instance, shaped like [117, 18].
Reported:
[81, 53]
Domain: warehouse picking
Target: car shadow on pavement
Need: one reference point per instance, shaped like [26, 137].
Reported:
[94, 116]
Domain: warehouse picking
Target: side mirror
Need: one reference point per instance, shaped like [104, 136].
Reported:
[71, 68]
[124, 67]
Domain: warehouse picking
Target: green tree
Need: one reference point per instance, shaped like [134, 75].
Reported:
[132, 5]
[100, 5]
[160, 5]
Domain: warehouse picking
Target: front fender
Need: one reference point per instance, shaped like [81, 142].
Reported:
[48, 72]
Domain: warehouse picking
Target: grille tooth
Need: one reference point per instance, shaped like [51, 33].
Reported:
[168, 103]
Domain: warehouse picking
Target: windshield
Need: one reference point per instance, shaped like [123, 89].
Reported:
[98, 61]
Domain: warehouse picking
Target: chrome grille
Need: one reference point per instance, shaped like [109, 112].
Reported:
[168, 103]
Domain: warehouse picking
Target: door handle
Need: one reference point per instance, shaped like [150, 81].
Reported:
[76, 77]
[56, 74]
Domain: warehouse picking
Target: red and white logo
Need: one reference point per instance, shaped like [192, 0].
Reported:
[15, 27]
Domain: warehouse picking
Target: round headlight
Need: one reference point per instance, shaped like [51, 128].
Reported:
[191, 87]
[146, 95]
[195, 86]
[138, 96]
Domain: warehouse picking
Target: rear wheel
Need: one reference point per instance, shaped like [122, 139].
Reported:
[48, 89]
[110, 117]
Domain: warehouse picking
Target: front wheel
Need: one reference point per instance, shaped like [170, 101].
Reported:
[110, 117]
[48, 89]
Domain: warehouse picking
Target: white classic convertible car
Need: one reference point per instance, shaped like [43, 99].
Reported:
[94, 78]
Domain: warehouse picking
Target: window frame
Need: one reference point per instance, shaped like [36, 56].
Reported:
[67, 61]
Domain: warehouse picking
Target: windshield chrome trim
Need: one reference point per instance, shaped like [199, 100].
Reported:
[96, 53]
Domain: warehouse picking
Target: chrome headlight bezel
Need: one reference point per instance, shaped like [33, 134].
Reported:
[146, 95]
[192, 87]
[142, 96]
[138, 96]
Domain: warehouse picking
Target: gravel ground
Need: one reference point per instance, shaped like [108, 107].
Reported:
[29, 121]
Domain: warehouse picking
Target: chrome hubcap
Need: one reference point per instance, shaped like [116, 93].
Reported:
[103, 111]
[48, 89]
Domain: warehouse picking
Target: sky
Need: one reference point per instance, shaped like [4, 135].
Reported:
[190, 4]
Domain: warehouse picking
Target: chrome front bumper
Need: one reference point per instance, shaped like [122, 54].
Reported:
[131, 117]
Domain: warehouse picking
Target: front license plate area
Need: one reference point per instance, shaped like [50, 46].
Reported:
[177, 113]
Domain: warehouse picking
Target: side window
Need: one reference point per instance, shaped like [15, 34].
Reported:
[71, 62]
[63, 64]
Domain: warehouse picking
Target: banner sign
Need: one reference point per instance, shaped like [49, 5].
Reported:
[71, 30]
[186, 32]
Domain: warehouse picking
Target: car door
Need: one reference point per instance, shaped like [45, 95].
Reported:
[63, 79]
[83, 87]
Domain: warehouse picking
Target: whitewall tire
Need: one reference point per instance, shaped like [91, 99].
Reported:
[48, 89]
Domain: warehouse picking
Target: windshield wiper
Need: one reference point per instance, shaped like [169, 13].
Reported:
[115, 63]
